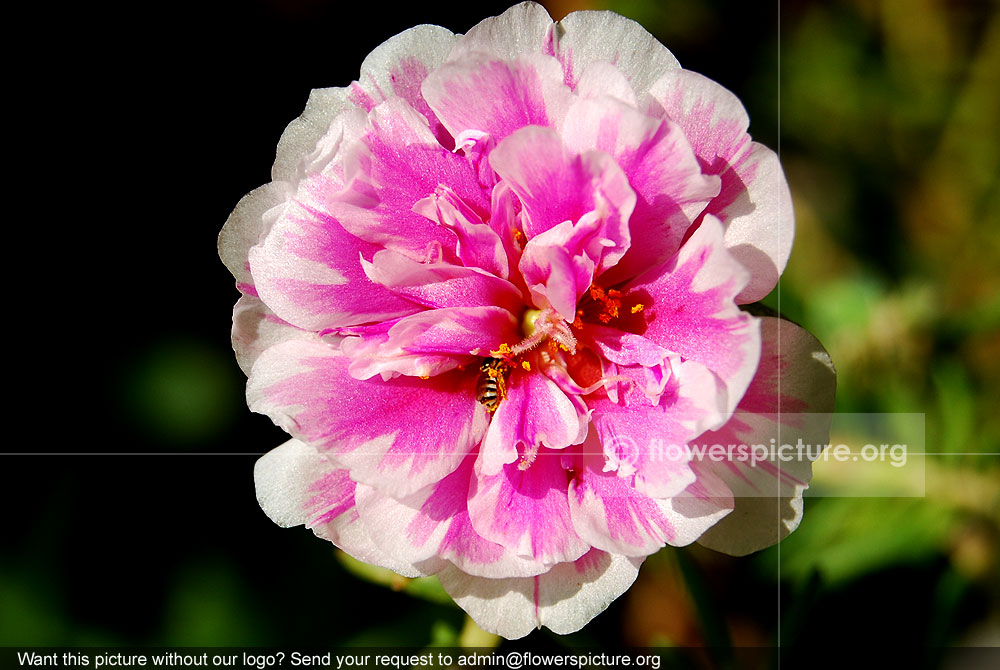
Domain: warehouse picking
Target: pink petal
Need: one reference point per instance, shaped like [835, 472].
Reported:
[754, 202]
[576, 213]
[397, 164]
[536, 412]
[519, 30]
[297, 485]
[479, 246]
[442, 284]
[299, 140]
[622, 347]
[713, 119]
[689, 309]
[527, 511]
[648, 436]
[610, 514]
[505, 220]
[256, 328]
[397, 435]
[670, 188]
[556, 268]
[583, 38]
[247, 225]
[399, 66]
[564, 599]
[483, 94]
[790, 399]
[556, 185]
[435, 523]
[431, 342]
[308, 270]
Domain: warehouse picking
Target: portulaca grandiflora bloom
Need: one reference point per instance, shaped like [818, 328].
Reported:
[494, 294]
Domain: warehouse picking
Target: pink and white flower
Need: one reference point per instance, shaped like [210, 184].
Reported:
[491, 272]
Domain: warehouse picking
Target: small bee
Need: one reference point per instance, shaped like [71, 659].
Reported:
[492, 386]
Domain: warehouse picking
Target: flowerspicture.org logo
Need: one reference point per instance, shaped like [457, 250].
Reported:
[484, 276]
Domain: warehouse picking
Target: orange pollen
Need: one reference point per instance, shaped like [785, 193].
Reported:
[503, 351]
[610, 301]
[638, 307]
[526, 365]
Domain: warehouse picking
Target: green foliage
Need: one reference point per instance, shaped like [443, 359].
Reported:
[846, 538]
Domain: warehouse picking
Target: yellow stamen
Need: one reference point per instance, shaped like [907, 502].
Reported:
[638, 307]
[526, 365]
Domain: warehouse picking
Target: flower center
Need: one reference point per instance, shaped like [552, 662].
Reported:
[539, 325]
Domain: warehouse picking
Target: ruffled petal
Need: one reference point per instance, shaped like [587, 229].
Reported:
[388, 433]
[297, 485]
[647, 436]
[535, 413]
[256, 328]
[790, 399]
[583, 38]
[482, 95]
[527, 511]
[754, 203]
[435, 523]
[441, 285]
[689, 310]
[430, 343]
[398, 163]
[399, 66]
[298, 142]
[479, 246]
[309, 271]
[575, 216]
[556, 185]
[519, 30]
[252, 218]
[564, 599]
[621, 347]
[610, 514]
[653, 153]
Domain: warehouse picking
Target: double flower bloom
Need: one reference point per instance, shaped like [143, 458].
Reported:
[485, 278]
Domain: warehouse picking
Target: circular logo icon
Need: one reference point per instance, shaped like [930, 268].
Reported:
[621, 453]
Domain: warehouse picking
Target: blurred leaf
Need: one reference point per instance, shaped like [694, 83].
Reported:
[443, 634]
[182, 391]
[956, 411]
[425, 588]
[474, 636]
[427, 625]
[845, 538]
[210, 606]
[30, 615]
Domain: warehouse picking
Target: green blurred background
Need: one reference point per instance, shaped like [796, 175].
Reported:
[151, 121]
